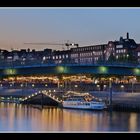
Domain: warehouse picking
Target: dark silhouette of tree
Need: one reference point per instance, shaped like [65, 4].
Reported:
[111, 58]
[131, 58]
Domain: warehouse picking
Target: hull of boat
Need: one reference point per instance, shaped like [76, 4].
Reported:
[84, 107]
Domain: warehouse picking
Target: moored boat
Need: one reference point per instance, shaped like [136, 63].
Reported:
[79, 102]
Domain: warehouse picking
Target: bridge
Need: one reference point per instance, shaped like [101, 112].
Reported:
[56, 69]
[43, 97]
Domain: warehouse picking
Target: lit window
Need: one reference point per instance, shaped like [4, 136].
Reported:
[138, 53]
[66, 55]
[44, 58]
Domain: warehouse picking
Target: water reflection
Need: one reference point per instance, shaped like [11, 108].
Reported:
[14, 117]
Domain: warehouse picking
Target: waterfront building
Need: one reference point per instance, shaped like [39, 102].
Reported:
[137, 53]
[88, 54]
[123, 50]
[63, 56]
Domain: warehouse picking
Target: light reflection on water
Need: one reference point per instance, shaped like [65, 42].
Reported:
[16, 117]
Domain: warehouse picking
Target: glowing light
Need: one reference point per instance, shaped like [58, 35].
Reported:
[110, 79]
[98, 85]
[136, 71]
[103, 69]
[10, 71]
[122, 86]
[104, 85]
[44, 58]
[60, 69]
[75, 85]
[96, 81]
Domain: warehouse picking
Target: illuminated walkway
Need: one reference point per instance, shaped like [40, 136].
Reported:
[41, 95]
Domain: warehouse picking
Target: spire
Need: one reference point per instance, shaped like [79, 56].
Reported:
[127, 35]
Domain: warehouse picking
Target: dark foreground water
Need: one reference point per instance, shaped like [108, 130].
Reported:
[25, 118]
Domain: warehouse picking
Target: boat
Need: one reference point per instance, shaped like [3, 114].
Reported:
[79, 102]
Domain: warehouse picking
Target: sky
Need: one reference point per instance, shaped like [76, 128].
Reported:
[85, 26]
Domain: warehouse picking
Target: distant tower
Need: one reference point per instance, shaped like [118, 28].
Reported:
[127, 35]
[121, 39]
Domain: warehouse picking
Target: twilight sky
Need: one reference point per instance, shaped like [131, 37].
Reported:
[85, 26]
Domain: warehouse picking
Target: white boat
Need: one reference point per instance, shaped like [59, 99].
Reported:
[81, 103]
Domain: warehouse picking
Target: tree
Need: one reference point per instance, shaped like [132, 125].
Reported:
[111, 58]
[100, 60]
[131, 58]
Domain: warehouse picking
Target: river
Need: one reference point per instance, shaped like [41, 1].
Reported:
[23, 118]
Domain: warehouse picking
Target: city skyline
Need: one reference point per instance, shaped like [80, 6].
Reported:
[85, 26]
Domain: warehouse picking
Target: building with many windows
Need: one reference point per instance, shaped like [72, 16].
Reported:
[124, 50]
[59, 57]
[88, 54]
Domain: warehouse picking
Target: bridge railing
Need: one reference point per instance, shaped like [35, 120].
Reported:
[36, 63]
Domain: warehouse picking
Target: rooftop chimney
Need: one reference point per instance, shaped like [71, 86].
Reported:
[127, 35]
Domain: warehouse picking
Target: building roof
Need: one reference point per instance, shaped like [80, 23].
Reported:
[126, 43]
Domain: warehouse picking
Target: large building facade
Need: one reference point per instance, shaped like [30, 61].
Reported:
[88, 54]
[123, 50]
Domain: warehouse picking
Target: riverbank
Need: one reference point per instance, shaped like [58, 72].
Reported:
[121, 101]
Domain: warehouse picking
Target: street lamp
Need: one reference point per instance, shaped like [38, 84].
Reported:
[105, 87]
[33, 85]
[98, 87]
[133, 81]
[110, 93]
[76, 86]
[127, 57]
[122, 87]
[21, 89]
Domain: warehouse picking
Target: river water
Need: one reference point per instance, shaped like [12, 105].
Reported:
[23, 118]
